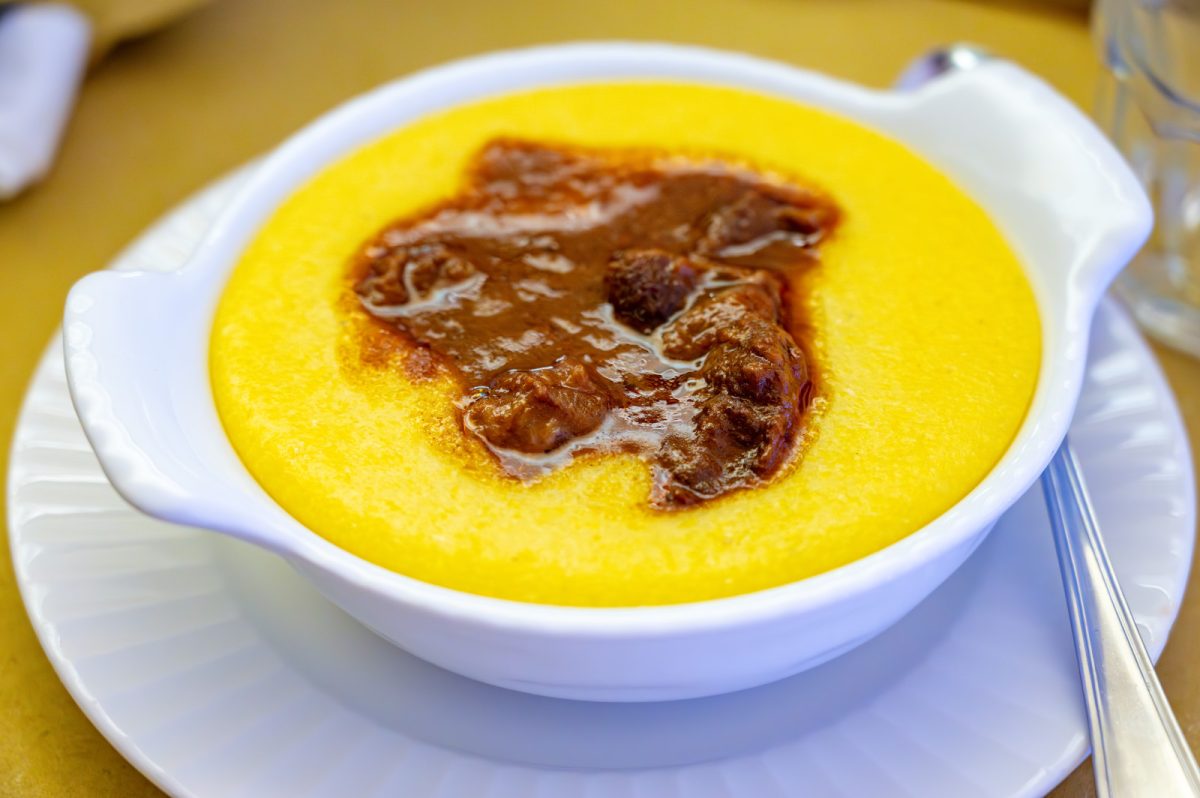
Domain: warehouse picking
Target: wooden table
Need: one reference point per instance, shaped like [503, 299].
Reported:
[162, 117]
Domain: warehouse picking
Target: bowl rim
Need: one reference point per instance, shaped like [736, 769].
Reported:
[970, 517]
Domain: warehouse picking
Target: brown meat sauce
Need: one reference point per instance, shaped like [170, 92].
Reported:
[608, 301]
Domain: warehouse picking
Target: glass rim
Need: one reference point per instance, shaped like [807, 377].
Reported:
[1131, 46]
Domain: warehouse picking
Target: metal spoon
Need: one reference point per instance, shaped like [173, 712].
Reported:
[1137, 747]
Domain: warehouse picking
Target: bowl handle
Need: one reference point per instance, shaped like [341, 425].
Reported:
[1080, 206]
[130, 385]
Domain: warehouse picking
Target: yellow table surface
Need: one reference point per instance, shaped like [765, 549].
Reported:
[161, 117]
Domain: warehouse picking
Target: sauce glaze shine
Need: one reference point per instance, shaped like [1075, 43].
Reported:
[608, 301]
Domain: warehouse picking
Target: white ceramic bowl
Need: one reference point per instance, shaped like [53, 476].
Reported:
[137, 344]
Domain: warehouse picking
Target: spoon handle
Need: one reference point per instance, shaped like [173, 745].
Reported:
[1138, 748]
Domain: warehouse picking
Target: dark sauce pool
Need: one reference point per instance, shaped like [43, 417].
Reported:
[592, 301]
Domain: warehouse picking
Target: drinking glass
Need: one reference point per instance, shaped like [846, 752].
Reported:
[1149, 104]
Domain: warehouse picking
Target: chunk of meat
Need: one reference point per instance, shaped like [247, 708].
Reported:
[766, 340]
[413, 273]
[538, 411]
[700, 327]
[383, 285]
[769, 372]
[756, 387]
[763, 215]
[734, 442]
[646, 287]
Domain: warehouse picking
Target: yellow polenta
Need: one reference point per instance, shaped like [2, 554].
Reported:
[927, 339]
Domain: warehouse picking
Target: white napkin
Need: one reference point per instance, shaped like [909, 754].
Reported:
[43, 53]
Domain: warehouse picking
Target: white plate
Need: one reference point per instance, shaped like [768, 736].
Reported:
[218, 672]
